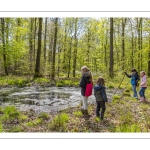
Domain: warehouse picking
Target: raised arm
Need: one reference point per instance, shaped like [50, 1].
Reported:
[129, 76]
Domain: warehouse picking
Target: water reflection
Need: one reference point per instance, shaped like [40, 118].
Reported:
[46, 99]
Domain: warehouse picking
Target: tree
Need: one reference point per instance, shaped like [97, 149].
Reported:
[4, 44]
[75, 48]
[38, 58]
[54, 48]
[111, 63]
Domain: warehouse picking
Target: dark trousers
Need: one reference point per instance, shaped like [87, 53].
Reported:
[100, 105]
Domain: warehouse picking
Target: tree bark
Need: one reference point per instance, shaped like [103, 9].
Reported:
[4, 45]
[123, 43]
[75, 48]
[111, 49]
[38, 57]
[54, 48]
[45, 41]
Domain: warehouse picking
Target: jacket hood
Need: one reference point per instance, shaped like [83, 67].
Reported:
[98, 87]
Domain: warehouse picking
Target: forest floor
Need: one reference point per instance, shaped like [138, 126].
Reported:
[123, 114]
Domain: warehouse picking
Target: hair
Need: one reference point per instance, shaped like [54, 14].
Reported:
[86, 69]
[133, 70]
[100, 81]
[143, 72]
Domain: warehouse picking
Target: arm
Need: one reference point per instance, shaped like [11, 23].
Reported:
[129, 76]
[82, 83]
[104, 95]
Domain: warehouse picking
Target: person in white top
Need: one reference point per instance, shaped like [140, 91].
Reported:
[143, 86]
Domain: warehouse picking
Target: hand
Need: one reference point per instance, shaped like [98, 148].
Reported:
[106, 103]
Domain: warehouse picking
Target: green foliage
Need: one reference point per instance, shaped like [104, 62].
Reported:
[126, 94]
[35, 122]
[1, 127]
[10, 114]
[16, 129]
[23, 118]
[43, 116]
[110, 86]
[77, 113]
[128, 128]
[59, 122]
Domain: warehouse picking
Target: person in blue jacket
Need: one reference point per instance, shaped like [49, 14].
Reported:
[134, 81]
[101, 97]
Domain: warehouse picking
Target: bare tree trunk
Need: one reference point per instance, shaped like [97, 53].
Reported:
[141, 66]
[34, 48]
[54, 48]
[149, 57]
[4, 45]
[45, 41]
[38, 57]
[31, 44]
[123, 45]
[105, 50]
[111, 49]
[75, 48]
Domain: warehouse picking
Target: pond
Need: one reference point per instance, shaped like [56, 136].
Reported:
[45, 99]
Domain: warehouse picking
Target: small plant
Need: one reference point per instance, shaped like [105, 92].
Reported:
[126, 94]
[77, 113]
[116, 97]
[23, 118]
[59, 122]
[16, 129]
[110, 86]
[10, 114]
[127, 90]
[44, 116]
[34, 122]
[1, 127]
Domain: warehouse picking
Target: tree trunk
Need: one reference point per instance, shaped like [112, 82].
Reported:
[4, 45]
[75, 48]
[45, 41]
[38, 57]
[34, 48]
[111, 49]
[54, 48]
[149, 57]
[31, 44]
[123, 45]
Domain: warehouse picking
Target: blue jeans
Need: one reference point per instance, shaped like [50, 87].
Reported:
[134, 90]
[142, 92]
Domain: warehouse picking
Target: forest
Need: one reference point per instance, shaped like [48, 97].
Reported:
[39, 54]
[59, 47]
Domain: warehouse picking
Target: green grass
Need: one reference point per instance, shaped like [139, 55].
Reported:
[59, 122]
[77, 113]
[43, 116]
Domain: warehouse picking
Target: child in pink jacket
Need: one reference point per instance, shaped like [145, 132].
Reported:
[143, 86]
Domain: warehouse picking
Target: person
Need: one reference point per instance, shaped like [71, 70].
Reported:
[134, 81]
[86, 83]
[101, 97]
[143, 86]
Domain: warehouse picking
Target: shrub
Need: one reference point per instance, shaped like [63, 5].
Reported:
[44, 116]
[77, 113]
[59, 121]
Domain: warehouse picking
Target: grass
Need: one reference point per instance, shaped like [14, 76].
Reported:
[123, 114]
[77, 113]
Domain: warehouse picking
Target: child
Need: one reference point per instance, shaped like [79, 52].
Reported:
[86, 83]
[134, 81]
[101, 98]
[143, 86]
